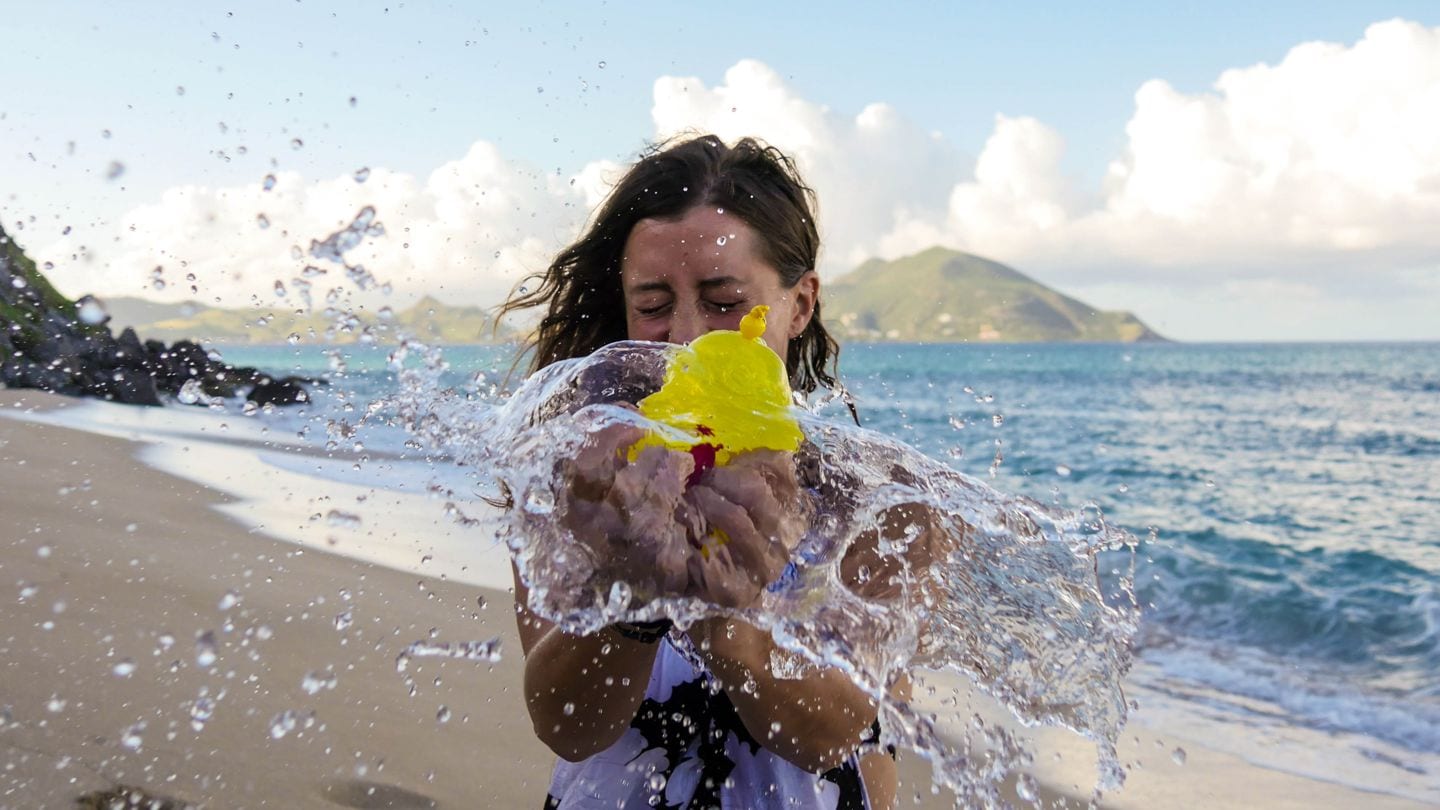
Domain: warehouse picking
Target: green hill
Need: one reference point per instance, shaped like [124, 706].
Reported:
[946, 296]
[427, 319]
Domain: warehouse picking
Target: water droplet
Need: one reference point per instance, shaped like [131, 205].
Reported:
[180, 90]
[342, 520]
[362, 174]
[1178, 756]
[296, 143]
[540, 89]
[318, 680]
[124, 668]
[568, 709]
[229, 600]
[998, 420]
[114, 170]
[602, 64]
[443, 715]
[43, 552]
[205, 649]
[200, 712]
[132, 737]
[268, 183]
[55, 704]
[344, 620]
[354, 101]
[91, 312]
[293, 339]
[262, 221]
[1026, 788]
[721, 240]
[482, 651]
[1062, 470]
[191, 392]
[657, 782]
[282, 724]
[539, 500]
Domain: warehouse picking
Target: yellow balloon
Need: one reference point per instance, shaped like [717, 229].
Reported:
[724, 393]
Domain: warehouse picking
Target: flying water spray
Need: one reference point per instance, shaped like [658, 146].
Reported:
[901, 564]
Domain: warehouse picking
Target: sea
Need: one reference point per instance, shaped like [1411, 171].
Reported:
[1284, 497]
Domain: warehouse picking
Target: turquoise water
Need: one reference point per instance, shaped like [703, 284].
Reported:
[1287, 489]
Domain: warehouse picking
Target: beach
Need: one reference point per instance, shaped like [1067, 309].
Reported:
[236, 651]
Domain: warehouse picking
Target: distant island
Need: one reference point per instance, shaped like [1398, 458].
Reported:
[946, 296]
[427, 319]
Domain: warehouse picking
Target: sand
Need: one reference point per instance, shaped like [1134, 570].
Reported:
[127, 555]
[111, 570]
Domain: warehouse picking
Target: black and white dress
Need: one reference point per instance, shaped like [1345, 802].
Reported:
[686, 749]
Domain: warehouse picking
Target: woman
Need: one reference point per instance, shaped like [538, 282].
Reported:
[689, 240]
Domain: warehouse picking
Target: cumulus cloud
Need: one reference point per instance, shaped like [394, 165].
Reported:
[1329, 159]
[873, 171]
[468, 232]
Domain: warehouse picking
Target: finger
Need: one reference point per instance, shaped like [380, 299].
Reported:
[749, 490]
[719, 580]
[753, 552]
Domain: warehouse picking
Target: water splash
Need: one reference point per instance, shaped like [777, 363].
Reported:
[904, 563]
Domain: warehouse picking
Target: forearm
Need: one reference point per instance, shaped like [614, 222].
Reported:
[815, 721]
[583, 691]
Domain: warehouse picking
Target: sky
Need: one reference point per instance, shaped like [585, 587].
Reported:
[1227, 171]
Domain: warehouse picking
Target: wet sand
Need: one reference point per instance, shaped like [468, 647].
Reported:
[103, 560]
[99, 573]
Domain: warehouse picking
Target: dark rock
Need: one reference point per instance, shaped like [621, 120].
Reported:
[287, 391]
[128, 386]
[44, 344]
[129, 351]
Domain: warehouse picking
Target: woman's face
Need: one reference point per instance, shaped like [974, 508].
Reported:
[685, 277]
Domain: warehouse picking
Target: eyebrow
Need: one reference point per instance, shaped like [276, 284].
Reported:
[705, 284]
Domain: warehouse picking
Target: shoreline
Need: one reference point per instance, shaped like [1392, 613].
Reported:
[192, 543]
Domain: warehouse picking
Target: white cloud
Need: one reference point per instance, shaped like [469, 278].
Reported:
[1331, 156]
[467, 233]
[872, 172]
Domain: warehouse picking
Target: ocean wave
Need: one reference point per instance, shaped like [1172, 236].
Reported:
[1351, 608]
[1328, 699]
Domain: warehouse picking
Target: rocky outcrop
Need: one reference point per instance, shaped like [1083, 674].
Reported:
[54, 344]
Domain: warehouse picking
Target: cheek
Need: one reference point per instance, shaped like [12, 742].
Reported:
[644, 329]
[777, 328]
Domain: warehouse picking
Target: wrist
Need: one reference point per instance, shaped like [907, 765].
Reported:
[729, 644]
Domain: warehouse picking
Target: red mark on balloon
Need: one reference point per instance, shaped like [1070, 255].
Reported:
[704, 455]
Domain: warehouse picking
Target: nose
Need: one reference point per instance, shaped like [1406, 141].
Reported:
[686, 324]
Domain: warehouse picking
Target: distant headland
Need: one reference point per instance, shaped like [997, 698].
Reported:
[946, 296]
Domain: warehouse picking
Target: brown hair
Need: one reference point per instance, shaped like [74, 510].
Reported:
[755, 182]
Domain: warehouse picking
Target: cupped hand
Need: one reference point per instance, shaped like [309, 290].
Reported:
[750, 515]
[625, 512]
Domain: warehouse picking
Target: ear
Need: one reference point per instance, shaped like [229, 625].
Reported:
[807, 292]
